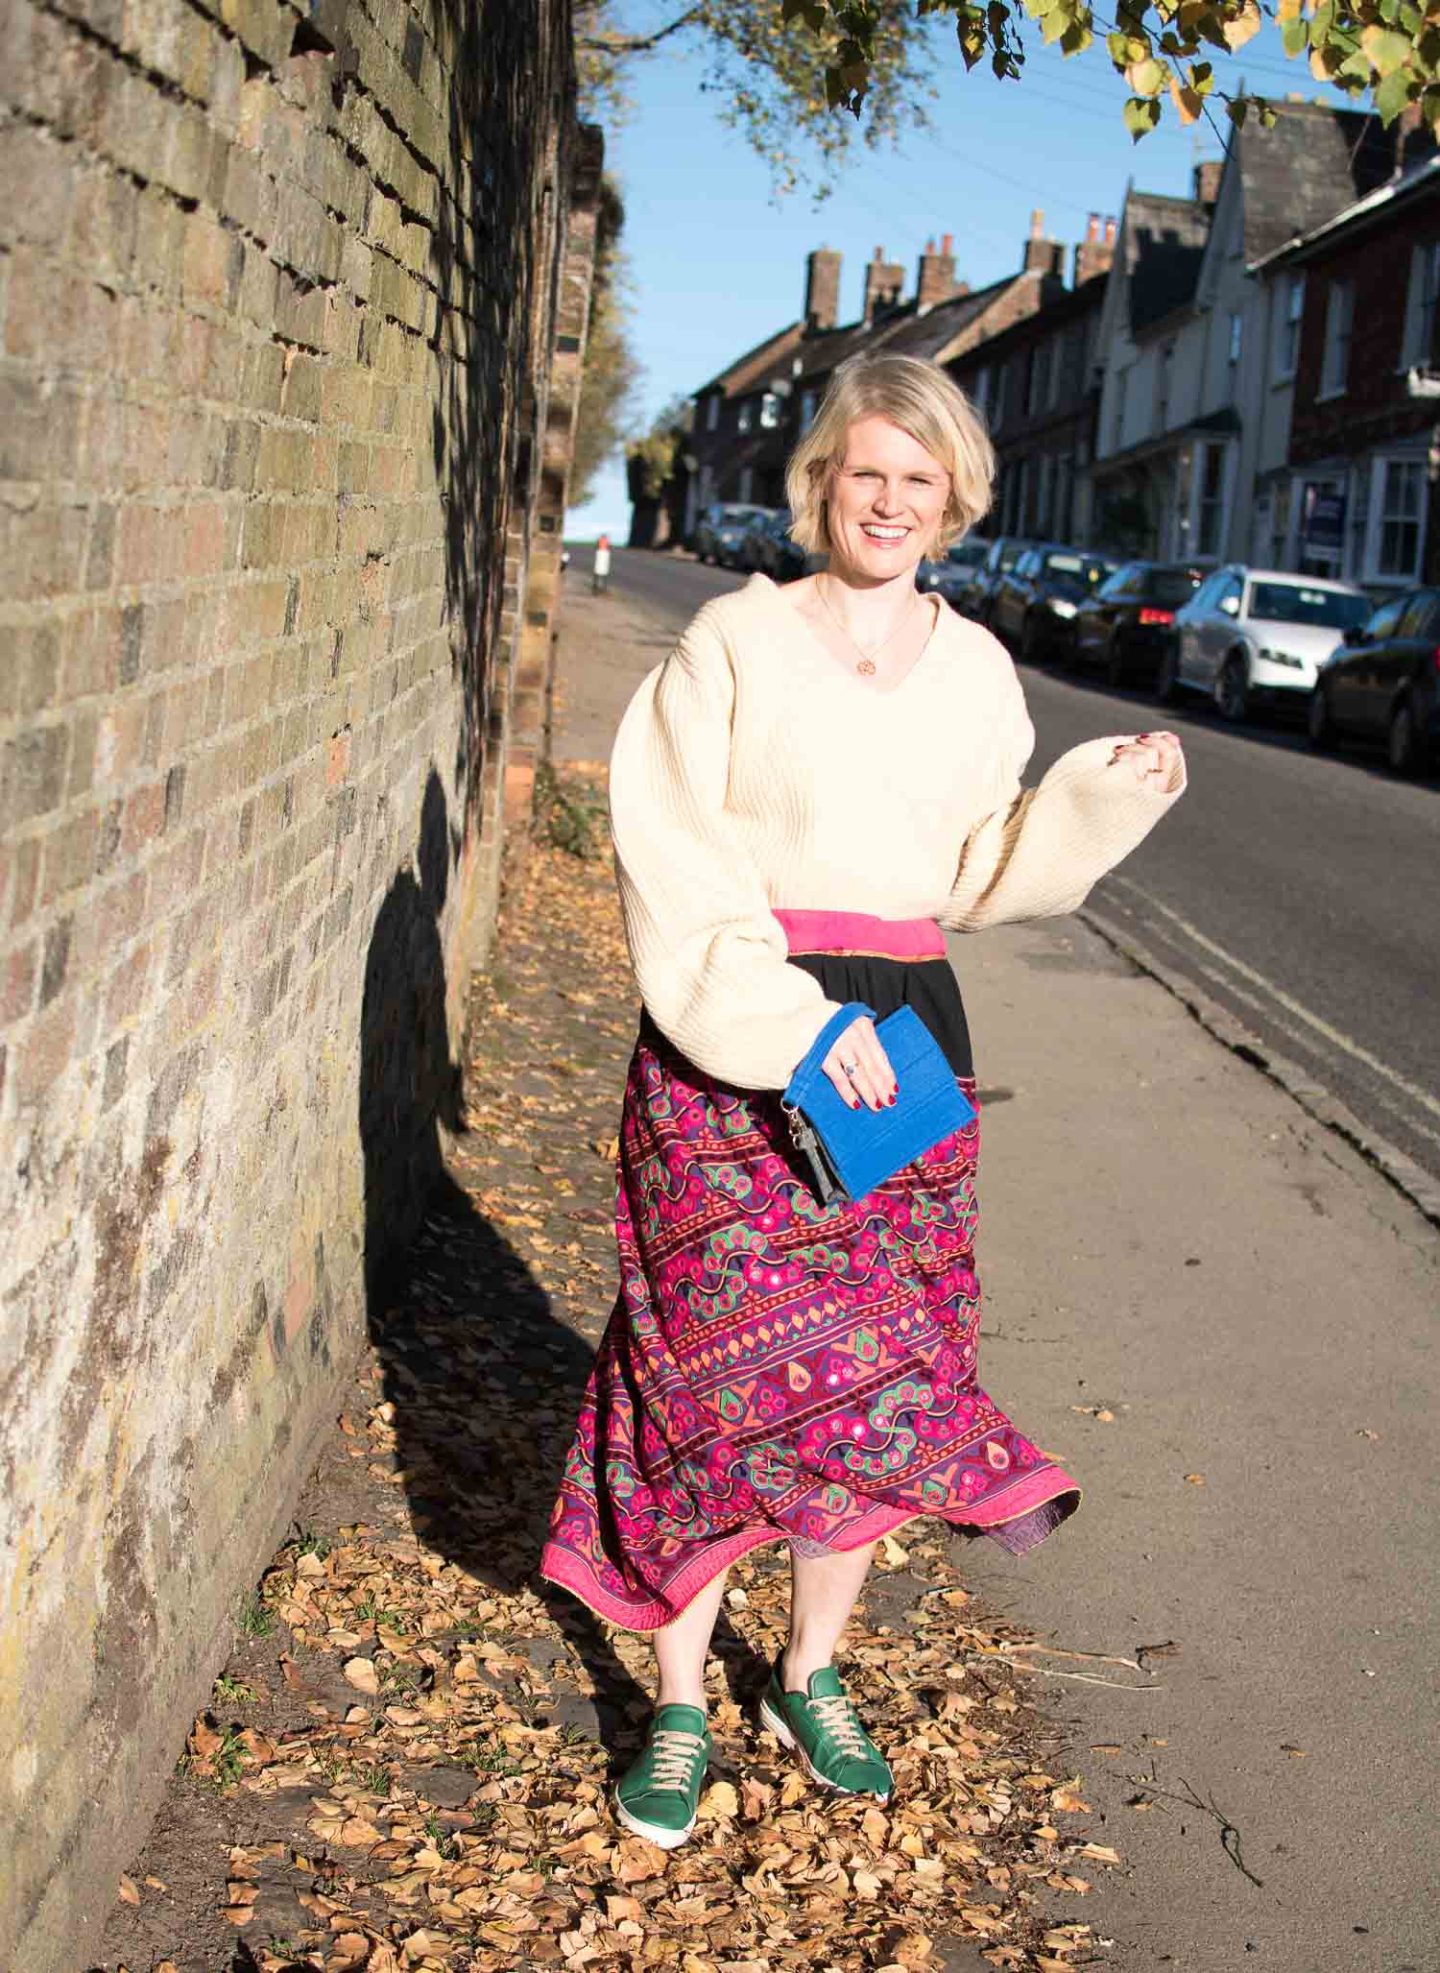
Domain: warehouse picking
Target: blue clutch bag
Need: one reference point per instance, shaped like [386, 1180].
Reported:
[847, 1153]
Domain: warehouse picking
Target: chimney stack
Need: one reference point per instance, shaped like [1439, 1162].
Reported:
[935, 280]
[1096, 251]
[884, 284]
[1042, 256]
[822, 289]
[1207, 181]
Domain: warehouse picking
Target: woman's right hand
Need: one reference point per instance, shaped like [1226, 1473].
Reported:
[859, 1067]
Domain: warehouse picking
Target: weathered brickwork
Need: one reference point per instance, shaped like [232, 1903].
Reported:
[279, 294]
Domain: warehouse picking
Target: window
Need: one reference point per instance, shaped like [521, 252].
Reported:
[1287, 339]
[1128, 580]
[769, 411]
[1002, 377]
[1277, 546]
[1417, 348]
[1211, 499]
[1039, 392]
[980, 395]
[1237, 337]
[1339, 314]
[808, 402]
[1399, 512]
[1117, 437]
[747, 483]
[745, 415]
[1294, 602]
[1064, 494]
[1058, 352]
[712, 413]
[1164, 364]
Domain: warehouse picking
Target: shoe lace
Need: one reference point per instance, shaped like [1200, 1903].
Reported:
[839, 1719]
[673, 1752]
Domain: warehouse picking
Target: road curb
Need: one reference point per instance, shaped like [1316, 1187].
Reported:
[1393, 1164]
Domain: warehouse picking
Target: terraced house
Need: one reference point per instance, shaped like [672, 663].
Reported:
[1204, 387]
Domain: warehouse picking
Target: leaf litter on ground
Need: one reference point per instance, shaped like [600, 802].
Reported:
[422, 1771]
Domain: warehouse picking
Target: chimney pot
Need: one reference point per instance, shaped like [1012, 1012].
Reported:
[947, 243]
[1037, 224]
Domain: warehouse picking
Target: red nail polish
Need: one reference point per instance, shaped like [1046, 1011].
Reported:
[890, 1099]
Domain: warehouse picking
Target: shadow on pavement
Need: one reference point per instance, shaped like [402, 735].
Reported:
[485, 1381]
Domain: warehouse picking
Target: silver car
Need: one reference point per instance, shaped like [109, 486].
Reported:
[1249, 637]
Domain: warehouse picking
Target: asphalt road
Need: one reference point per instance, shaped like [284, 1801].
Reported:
[1300, 892]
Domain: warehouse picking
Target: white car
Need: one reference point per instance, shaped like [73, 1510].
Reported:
[1254, 636]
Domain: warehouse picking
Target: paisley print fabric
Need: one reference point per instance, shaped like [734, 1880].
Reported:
[774, 1368]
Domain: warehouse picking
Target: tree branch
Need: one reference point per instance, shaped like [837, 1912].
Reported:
[640, 44]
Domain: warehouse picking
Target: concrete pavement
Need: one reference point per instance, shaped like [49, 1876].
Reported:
[1225, 1321]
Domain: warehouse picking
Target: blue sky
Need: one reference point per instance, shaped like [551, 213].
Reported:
[717, 262]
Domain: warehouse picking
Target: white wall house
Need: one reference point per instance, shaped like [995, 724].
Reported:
[1203, 336]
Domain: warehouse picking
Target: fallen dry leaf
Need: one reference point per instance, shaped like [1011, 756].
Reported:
[361, 1673]
[129, 1889]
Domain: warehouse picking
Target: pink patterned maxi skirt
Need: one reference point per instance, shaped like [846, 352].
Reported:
[774, 1369]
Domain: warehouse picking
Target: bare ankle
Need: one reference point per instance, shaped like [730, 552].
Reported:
[680, 1695]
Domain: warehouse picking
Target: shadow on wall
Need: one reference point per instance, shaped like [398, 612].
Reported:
[466, 1336]
[487, 255]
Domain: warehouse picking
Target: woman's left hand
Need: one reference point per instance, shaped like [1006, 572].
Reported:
[1153, 757]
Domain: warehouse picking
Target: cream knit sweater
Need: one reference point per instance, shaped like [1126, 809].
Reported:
[751, 773]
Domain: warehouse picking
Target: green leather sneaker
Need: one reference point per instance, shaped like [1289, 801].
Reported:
[822, 1727]
[658, 1796]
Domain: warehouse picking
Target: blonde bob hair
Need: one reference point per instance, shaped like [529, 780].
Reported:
[922, 400]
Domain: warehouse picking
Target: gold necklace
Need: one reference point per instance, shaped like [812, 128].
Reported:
[866, 666]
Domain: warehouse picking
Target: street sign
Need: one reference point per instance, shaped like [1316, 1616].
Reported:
[1322, 517]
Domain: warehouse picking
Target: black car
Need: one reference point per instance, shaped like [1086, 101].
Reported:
[1035, 604]
[1123, 626]
[755, 542]
[1383, 683]
[953, 572]
[768, 547]
[721, 529]
[975, 599]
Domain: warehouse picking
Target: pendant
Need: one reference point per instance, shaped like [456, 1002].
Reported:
[865, 668]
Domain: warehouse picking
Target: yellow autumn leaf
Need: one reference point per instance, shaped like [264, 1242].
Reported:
[719, 1802]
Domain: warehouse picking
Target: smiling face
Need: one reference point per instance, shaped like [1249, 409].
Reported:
[885, 498]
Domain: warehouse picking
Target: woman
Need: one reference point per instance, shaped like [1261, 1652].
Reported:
[812, 785]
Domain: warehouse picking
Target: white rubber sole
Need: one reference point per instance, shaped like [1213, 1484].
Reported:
[663, 1839]
[771, 1719]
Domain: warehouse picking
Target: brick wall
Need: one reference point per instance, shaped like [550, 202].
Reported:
[1375, 404]
[278, 300]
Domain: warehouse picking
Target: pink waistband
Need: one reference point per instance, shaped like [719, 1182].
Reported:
[857, 932]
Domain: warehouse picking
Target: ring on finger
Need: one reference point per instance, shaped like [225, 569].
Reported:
[849, 1067]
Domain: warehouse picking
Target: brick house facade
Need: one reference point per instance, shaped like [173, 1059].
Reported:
[748, 419]
[1365, 434]
[1035, 384]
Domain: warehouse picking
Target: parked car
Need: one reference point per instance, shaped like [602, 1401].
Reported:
[1000, 557]
[1035, 601]
[1383, 683]
[755, 541]
[1123, 626]
[768, 547]
[720, 530]
[1251, 637]
[952, 573]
